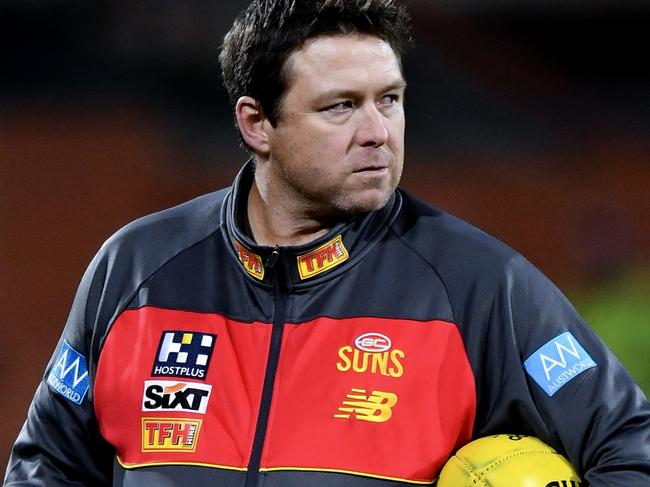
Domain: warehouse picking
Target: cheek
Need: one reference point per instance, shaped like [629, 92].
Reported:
[299, 159]
[329, 144]
[319, 152]
[396, 130]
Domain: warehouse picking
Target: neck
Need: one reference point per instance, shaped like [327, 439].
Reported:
[275, 219]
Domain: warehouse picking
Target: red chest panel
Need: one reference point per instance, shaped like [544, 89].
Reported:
[371, 396]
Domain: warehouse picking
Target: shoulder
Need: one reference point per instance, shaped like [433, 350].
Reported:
[138, 250]
[454, 247]
[476, 268]
[170, 230]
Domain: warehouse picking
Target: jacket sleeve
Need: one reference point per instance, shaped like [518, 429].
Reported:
[60, 443]
[547, 371]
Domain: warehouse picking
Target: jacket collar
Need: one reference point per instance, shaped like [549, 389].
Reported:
[302, 265]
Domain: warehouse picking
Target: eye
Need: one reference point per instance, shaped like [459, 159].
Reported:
[339, 108]
[389, 100]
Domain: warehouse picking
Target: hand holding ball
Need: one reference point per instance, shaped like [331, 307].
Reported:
[508, 461]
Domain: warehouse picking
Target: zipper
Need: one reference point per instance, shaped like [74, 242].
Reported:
[279, 313]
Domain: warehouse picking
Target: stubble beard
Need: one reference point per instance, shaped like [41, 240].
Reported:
[346, 204]
[336, 203]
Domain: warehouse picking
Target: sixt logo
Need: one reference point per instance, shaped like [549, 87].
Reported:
[376, 407]
[372, 353]
[559, 361]
[165, 395]
[184, 354]
[69, 375]
[323, 258]
[251, 262]
[170, 434]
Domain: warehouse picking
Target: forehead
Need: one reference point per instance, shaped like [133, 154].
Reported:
[342, 62]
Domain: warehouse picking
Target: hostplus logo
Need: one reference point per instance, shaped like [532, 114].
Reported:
[184, 354]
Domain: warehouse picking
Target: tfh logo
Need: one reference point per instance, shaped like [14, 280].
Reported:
[170, 434]
[323, 258]
[251, 262]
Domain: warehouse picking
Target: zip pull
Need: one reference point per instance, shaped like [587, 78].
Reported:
[273, 257]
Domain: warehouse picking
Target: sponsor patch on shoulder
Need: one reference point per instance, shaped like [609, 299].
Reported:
[69, 375]
[558, 362]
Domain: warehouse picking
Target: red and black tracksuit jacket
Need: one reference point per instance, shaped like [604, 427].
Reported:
[193, 356]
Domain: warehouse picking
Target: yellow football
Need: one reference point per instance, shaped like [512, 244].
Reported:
[508, 461]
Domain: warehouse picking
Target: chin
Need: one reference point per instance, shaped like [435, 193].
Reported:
[365, 204]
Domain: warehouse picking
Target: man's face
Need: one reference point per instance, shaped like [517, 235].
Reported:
[338, 146]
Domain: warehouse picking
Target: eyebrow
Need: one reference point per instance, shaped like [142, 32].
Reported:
[398, 85]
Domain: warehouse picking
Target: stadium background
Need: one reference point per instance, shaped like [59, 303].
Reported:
[530, 119]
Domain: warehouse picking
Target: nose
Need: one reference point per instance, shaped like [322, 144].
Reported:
[371, 129]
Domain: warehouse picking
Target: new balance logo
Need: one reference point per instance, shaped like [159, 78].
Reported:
[184, 354]
[69, 375]
[376, 407]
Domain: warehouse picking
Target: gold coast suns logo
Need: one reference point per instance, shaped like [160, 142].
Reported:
[372, 352]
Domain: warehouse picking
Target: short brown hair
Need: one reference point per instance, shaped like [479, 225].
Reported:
[267, 32]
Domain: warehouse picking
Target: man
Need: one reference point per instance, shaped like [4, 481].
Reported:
[314, 325]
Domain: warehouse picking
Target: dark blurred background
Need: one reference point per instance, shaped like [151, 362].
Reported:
[528, 118]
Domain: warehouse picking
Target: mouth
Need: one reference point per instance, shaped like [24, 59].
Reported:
[372, 170]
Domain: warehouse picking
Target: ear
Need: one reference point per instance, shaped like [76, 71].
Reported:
[252, 124]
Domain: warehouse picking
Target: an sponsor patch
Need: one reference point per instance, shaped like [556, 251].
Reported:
[376, 407]
[183, 354]
[69, 375]
[558, 362]
[323, 258]
[168, 395]
[251, 262]
[170, 434]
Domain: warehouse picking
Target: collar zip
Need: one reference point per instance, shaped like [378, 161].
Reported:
[300, 265]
